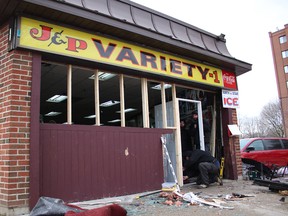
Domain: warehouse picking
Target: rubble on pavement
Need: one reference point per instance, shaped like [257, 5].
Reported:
[178, 199]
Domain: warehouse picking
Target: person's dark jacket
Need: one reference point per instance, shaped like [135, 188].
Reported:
[195, 157]
[186, 140]
[194, 133]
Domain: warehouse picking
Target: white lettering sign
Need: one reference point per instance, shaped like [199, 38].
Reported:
[230, 99]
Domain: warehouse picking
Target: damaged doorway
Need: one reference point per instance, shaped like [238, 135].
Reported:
[194, 106]
[171, 141]
[204, 104]
[187, 101]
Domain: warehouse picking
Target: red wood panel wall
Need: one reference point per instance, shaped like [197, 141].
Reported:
[89, 162]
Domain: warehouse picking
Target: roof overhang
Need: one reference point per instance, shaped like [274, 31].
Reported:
[111, 17]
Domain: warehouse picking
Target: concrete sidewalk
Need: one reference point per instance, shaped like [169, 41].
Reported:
[257, 200]
[260, 201]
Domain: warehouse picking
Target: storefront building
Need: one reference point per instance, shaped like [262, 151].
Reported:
[88, 88]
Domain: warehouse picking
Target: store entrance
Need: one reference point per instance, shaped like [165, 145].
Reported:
[191, 125]
[203, 103]
[187, 102]
[196, 126]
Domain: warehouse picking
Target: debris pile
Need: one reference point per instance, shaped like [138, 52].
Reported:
[178, 199]
[171, 199]
[283, 193]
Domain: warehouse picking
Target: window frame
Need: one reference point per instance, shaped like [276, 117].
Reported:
[282, 39]
[285, 69]
[272, 144]
[285, 143]
[284, 54]
[256, 148]
[68, 85]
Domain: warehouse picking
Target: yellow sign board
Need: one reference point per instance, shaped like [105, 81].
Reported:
[47, 37]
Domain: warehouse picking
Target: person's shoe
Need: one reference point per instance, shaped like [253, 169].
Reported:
[185, 178]
[219, 181]
[201, 186]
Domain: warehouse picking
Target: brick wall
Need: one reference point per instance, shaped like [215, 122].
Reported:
[15, 90]
[284, 107]
[236, 144]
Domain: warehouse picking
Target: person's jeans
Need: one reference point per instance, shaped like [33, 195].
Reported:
[208, 173]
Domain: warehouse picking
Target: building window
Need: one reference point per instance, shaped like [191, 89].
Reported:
[286, 68]
[81, 104]
[285, 54]
[283, 39]
[287, 84]
[85, 96]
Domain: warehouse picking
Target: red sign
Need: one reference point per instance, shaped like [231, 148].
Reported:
[229, 80]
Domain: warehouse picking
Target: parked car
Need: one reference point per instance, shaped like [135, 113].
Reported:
[265, 152]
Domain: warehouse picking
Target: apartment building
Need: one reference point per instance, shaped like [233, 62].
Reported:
[279, 47]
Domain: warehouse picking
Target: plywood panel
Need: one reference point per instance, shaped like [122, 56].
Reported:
[90, 162]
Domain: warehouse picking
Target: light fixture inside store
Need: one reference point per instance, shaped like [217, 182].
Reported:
[57, 98]
[158, 87]
[103, 76]
[127, 110]
[53, 113]
[115, 120]
[90, 116]
[109, 103]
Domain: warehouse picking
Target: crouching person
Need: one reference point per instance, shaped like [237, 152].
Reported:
[204, 164]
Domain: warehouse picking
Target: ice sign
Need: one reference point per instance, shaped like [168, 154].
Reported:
[230, 99]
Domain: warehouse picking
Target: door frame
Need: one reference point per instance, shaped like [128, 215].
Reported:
[200, 120]
[179, 167]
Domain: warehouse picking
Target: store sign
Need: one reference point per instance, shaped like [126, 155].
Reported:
[230, 99]
[60, 40]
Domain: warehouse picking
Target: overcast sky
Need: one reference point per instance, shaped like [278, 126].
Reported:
[246, 24]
